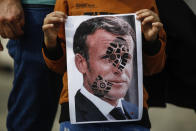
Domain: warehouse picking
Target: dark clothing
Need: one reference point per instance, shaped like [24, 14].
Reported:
[87, 111]
[34, 98]
[177, 82]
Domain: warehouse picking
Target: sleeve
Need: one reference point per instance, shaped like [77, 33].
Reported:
[54, 61]
[153, 64]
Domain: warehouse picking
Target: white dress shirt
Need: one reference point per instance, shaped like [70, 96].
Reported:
[104, 107]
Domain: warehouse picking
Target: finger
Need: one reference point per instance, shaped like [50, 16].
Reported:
[9, 32]
[149, 19]
[51, 20]
[19, 19]
[47, 26]
[11, 29]
[22, 20]
[16, 29]
[158, 25]
[143, 15]
[55, 17]
[141, 11]
[6, 31]
[156, 28]
[20, 25]
[57, 14]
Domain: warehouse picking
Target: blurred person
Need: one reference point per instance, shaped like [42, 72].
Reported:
[33, 101]
[55, 52]
[177, 80]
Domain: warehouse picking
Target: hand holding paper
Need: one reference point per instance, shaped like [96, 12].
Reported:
[150, 24]
[51, 27]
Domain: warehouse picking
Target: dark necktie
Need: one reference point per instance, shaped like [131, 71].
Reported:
[117, 113]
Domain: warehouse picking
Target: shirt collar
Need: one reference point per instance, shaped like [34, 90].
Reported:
[104, 107]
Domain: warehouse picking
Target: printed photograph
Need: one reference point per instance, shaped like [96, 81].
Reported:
[104, 64]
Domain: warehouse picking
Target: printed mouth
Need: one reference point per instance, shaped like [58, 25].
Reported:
[118, 82]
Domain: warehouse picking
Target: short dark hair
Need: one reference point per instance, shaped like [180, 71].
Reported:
[112, 24]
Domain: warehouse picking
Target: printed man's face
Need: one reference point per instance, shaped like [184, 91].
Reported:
[110, 61]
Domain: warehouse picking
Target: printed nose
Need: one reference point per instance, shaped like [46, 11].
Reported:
[117, 70]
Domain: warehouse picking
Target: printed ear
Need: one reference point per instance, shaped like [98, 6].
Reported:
[81, 63]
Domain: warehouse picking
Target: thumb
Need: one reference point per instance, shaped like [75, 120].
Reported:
[156, 26]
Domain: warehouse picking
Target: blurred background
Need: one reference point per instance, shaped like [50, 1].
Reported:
[171, 118]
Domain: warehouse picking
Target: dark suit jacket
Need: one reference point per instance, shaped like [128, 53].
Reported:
[87, 111]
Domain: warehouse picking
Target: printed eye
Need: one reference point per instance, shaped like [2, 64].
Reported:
[99, 77]
[105, 57]
[109, 50]
[124, 62]
[114, 45]
[126, 56]
[112, 57]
